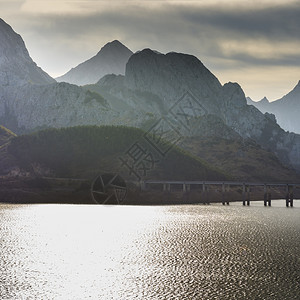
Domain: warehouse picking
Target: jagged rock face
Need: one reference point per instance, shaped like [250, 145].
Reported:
[56, 105]
[286, 109]
[30, 99]
[111, 59]
[16, 66]
[170, 76]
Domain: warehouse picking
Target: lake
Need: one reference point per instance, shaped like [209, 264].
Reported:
[150, 252]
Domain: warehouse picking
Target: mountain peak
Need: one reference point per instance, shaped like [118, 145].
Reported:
[114, 43]
[114, 48]
[16, 66]
[111, 59]
[264, 100]
[169, 75]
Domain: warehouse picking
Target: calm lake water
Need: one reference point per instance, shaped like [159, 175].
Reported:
[158, 252]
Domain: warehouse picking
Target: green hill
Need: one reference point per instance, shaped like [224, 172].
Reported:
[244, 160]
[84, 151]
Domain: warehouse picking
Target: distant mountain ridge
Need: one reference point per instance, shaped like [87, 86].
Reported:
[285, 109]
[111, 59]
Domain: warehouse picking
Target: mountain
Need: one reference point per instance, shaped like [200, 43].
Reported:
[286, 109]
[30, 99]
[16, 66]
[171, 94]
[111, 59]
[184, 90]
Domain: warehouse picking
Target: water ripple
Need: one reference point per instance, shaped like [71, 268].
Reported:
[172, 252]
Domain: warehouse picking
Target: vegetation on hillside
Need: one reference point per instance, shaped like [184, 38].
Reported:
[84, 151]
[245, 160]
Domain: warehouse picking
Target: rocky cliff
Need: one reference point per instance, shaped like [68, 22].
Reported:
[111, 59]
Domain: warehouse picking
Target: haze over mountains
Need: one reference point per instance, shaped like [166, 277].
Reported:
[111, 59]
[176, 90]
[286, 109]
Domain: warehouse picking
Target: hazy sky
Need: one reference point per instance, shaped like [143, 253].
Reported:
[253, 42]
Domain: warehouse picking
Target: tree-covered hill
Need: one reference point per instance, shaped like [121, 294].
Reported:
[82, 152]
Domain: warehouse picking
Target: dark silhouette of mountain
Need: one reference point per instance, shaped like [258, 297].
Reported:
[16, 66]
[111, 59]
[286, 109]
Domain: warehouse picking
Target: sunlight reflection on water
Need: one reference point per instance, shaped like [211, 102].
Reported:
[170, 252]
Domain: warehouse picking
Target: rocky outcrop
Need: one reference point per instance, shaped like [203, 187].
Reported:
[111, 59]
[56, 105]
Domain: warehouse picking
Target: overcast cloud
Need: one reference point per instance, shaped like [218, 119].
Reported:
[255, 43]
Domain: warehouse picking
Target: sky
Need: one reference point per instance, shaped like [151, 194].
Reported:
[253, 42]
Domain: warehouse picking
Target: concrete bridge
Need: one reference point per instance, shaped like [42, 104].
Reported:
[226, 189]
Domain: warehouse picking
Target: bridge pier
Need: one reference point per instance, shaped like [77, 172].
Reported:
[246, 194]
[143, 186]
[186, 188]
[205, 192]
[228, 190]
[167, 187]
[223, 194]
[289, 199]
[267, 195]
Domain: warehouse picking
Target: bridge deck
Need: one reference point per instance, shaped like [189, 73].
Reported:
[220, 183]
